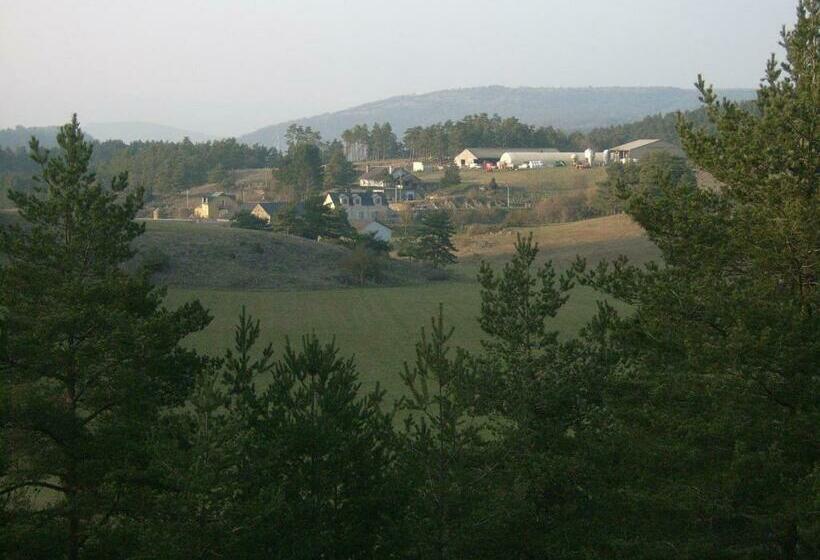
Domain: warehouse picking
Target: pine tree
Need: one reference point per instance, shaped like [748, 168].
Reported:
[720, 352]
[443, 453]
[88, 359]
[432, 240]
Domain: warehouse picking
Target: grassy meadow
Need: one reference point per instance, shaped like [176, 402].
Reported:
[380, 325]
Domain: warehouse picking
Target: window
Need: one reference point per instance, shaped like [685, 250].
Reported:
[357, 200]
[343, 200]
[377, 200]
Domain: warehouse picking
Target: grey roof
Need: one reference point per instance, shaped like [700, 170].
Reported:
[272, 207]
[367, 198]
[635, 144]
[218, 194]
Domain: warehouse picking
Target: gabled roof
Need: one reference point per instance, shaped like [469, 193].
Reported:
[367, 198]
[272, 207]
[634, 144]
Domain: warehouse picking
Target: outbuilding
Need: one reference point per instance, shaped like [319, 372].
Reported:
[479, 157]
[637, 149]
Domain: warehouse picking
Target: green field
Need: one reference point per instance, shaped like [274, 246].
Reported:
[380, 326]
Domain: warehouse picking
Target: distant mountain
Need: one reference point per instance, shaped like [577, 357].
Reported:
[131, 131]
[566, 108]
[125, 131]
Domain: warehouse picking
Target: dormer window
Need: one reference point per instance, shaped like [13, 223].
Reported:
[343, 200]
[357, 200]
[377, 200]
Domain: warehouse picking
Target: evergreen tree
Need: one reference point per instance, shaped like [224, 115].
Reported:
[443, 454]
[722, 346]
[451, 176]
[338, 171]
[88, 358]
[432, 241]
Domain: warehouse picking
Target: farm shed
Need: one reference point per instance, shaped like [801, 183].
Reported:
[471, 157]
[514, 159]
[637, 149]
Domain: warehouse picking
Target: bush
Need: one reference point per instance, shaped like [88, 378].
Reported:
[451, 177]
[155, 260]
[244, 219]
[361, 266]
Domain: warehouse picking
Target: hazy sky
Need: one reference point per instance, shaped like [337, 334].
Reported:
[227, 67]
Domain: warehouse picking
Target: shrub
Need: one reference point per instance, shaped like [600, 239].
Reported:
[155, 260]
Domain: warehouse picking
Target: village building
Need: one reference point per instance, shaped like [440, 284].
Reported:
[362, 206]
[637, 149]
[479, 157]
[217, 206]
[265, 211]
[396, 184]
[379, 230]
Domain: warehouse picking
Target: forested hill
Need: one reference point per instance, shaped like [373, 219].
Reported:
[125, 131]
[565, 108]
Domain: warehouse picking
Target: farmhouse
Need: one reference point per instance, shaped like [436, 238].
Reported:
[267, 210]
[381, 177]
[635, 150]
[477, 157]
[218, 205]
[360, 205]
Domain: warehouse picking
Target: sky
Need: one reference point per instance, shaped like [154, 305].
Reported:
[229, 67]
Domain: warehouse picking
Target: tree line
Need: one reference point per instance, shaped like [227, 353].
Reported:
[162, 167]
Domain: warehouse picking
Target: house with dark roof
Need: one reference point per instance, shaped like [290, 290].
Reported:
[267, 210]
[360, 205]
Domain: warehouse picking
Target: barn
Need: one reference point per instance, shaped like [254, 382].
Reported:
[635, 150]
[516, 159]
[477, 157]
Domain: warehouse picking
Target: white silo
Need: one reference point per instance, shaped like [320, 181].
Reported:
[606, 157]
[589, 155]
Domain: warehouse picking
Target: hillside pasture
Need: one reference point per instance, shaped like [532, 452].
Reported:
[196, 255]
[380, 325]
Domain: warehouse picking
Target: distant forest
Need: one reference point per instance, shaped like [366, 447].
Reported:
[165, 167]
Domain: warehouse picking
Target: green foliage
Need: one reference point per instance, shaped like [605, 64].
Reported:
[302, 168]
[443, 140]
[88, 354]
[434, 242]
[338, 171]
[363, 265]
[244, 219]
[719, 348]
[451, 176]
[363, 143]
[443, 453]
[314, 220]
